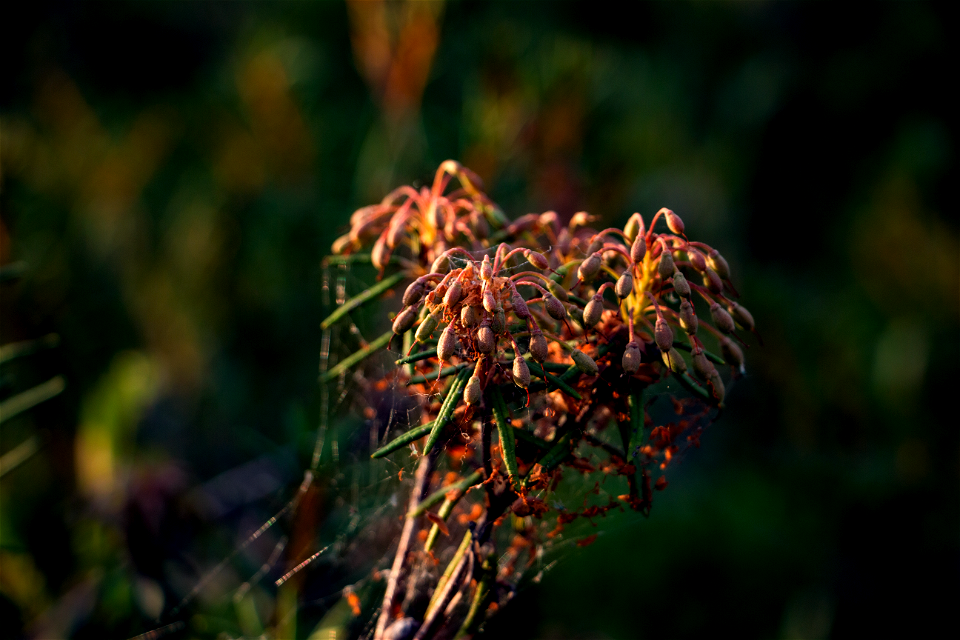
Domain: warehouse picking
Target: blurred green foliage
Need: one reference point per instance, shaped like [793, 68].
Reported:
[173, 173]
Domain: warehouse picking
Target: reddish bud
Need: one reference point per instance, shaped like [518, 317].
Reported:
[380, 254]
[480, 227]
[538, 347]
[631, 358]
[589, 268]
[341, 244]
[486, 340]
[486, 268]
[596, 243]
[717, 262]
[624, 285]
[404, 320]
[666, 266]
[674, 361]
[697, 260]
[413, 293]
[537, 259]
[452, 297]
[593, 311]
[634, 227]
[712, 281]
[688, 317]
[638, 249]
[441, 264]
[663, 335]
[732, 354]
[521, 372]
[499, 321]
[721, 319]
[742, 316]
[489, 300]
[448, 343]
[519, 304]
[472, 392]
[555, 308]
[701, 365]
[680, 284]
[674, 223]
[469, 315]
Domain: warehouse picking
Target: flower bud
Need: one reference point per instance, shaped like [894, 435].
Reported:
[712, 281]
[413, 293]
[536, 259]
[425, 330]
[718, 263]
[732, 354]
[674, 361]
[452, 297]
[395, 234]
[556, 289]
[448, 343]
[666, 266]
[554, 307]
[469, 315]
[680, 284]
[521, 372]
[519, 304]
[596, 243]
[717, 384]
[584, 362]
[624, 285]
[697, 260]
[480, 227]
[580, 219]
[441, 264]
[489, 300]
[499, 321]
[634, 227]
[688, 317]
[472, 392]
[380, 254]
[404, 320]
[701, 365]
[638, 249]
[742, 316]
[589, 267]
[341, 244]
[674, 223]
[631, 358]
[721, 319]
[663, 335]
[486, 269]
[538, 347]
[486, 340]
[593, 311]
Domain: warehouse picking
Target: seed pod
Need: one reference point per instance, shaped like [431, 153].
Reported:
[742, 316]
[452, 297]
[717, 384]
[380, 254]
[697, 260]
[663, 335]
[721, 319]
[536, 259]
[521, 372]
[538, 347]
[596, 243]
[489, 300]
[556, 289]
[499, 321]
[395, 234]
[413, 293]
[688, 317]
[624, 285]
[638, 249]
[631, 358]
[589, 267]
[732, 354]
[634, 227]
[718, 263]
[441, 264]
[593, 311]
[425, 330]
[486, 340]
[666, 266]
[680, 284]
[448, 343]
[469, 315]
[486, 269]
[584, 362]
[472, 392]
[674, 223]
[519, 304]
[701, 366]
[712, 281]
[554, 307]
[480, 227]
[674, 361]
[404, 320]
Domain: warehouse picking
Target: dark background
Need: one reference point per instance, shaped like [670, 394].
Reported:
[173, 173]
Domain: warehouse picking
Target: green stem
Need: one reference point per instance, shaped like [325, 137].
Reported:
[357, 357]
[438, 495]
[508, 446]
[362, 298]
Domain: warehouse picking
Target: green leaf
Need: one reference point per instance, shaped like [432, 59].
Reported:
[357, 357]
[362, 298]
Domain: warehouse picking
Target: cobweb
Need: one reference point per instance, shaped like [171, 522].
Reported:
[332, 534]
